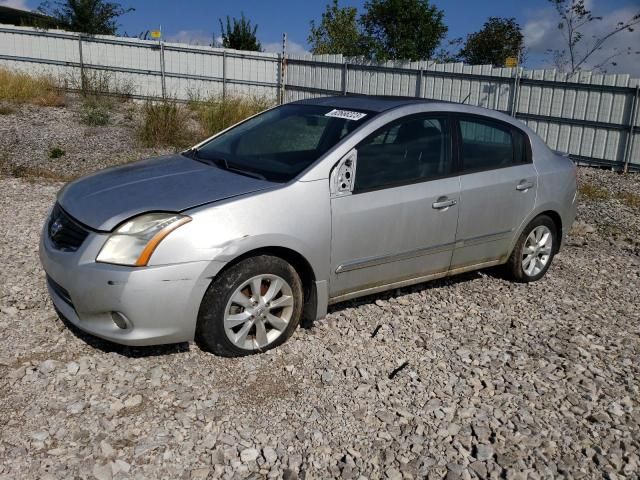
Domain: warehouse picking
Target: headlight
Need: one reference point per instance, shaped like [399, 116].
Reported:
[134, 241]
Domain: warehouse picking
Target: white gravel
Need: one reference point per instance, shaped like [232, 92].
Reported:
[492, 379]
[30, 133]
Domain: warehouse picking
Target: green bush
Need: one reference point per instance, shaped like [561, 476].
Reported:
[96, 111]
[56, 152]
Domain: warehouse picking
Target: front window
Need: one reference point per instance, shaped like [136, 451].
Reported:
[409, 150]
[279, 144]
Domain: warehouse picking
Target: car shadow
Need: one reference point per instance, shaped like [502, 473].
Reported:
[124, 350]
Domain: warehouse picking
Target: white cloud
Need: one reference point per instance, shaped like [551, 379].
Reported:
[192, 37]
[19, 4]
[541, 33]
[293, 48]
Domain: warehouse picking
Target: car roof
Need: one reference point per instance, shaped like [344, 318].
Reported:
[378, 104]
[372, 103]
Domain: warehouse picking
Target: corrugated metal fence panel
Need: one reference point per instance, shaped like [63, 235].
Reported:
[587, 115]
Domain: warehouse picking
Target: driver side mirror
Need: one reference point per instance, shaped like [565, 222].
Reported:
[344, 174]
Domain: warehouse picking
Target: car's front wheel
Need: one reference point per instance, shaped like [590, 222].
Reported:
[534, 250]
[251, 307]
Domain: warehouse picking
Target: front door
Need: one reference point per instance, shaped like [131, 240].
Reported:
[394, 206]
[497, 190]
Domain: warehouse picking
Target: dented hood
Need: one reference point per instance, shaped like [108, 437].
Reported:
[171, 183]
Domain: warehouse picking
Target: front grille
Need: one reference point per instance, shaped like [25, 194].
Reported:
[65, 233]
[60, 291]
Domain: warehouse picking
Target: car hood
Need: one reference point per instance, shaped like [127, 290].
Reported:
[171, 183]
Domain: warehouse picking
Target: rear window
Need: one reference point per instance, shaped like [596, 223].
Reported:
[282, 142]
[487, 145]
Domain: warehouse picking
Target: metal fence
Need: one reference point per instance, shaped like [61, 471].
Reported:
[593, 117]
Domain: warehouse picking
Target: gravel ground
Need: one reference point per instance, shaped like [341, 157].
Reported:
[31, 132]
[468, 377]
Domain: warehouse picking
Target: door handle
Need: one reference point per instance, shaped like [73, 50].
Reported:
[524, 186]
[443, 203]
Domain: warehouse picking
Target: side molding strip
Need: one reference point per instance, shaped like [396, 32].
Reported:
[394, 257]
[398, 257]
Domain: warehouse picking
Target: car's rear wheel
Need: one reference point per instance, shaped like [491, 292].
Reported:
[253, 306]
[534, 251]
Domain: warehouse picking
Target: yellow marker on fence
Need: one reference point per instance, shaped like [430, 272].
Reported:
[155, 34]
[511, 62]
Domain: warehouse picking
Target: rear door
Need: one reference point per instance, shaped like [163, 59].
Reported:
[397, 218]
[497, 188]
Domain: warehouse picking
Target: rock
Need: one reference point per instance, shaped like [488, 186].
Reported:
[47, 366]
[289, 474]
[328, 377]
[200, 473]
[76, 407]
[270, 455]
[10, 311]
[484, 452]
[72, 368]
[249, 455]
[40, 436]
[133, 401]
[106, 449]
[393, 474]
[616, 409]
[581, 228]
[102, 472]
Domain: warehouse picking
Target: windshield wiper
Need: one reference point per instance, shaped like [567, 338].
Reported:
[242, 171]
[222, 163]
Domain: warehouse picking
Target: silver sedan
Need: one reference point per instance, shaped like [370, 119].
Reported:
[234, 241]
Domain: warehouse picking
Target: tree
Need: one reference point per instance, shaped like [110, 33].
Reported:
[402, 29]
[240, 35]
[337, 32]
[498, 39]
[94, 17]
[575, 18]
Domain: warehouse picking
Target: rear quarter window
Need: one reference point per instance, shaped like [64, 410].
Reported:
[486, 145]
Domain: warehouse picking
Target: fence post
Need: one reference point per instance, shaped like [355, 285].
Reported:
[516, 89]
[420, 73]
[283, 66]
[345, 71]
[628, 150]
[164, 81]
[224, 74]
[82, 75]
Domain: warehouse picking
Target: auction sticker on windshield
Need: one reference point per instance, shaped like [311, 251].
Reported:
[346, 114]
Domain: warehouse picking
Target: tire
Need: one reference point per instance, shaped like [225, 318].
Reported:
[519, 268]
[230, 316]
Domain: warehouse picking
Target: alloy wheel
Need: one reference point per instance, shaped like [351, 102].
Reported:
[258, 312]
[537, 250]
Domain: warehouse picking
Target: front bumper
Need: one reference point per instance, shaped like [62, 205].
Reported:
[160, 303]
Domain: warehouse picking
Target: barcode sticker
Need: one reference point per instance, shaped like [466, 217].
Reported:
[346, 114]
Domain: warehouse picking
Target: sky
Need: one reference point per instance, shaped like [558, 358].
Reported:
[196, 21]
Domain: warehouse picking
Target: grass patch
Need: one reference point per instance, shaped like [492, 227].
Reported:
[630, 199]
[590, 191]
[18, 87]
[95, 111]
[216, 113]
[166, 123]
[56, 152]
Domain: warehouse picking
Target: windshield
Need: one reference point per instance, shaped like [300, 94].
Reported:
[279, 144]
